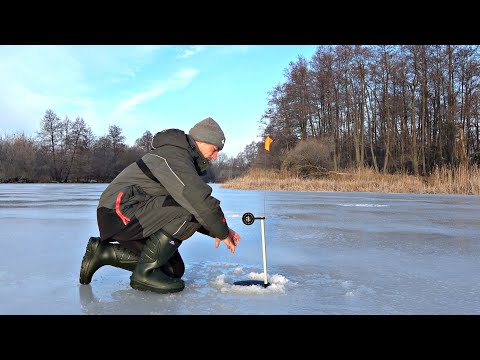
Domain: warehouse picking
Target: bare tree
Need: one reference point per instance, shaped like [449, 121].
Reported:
[117, 145]
[145, 142]
[50, 137]
[76, 140]
[17, 158]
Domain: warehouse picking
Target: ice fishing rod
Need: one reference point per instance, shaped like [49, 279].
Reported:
[248, 219]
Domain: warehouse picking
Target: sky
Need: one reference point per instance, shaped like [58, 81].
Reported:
[143, 87]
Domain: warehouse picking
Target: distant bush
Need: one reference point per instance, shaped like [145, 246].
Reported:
[312, 158]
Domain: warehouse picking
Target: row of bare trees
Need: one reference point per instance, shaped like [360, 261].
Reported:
[407, 108]
[67, 151]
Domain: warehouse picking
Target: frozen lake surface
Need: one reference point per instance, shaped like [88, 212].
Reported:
[327, 253]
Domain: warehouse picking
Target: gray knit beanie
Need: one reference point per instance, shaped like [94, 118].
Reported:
[208, 131]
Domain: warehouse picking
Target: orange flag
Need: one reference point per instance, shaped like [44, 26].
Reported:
[268, 140]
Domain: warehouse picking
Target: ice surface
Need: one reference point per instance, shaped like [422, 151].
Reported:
[327, 253]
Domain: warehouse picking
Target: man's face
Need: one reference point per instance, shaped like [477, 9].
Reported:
[209, 151]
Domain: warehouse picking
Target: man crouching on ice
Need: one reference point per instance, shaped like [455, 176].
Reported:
[154, 204]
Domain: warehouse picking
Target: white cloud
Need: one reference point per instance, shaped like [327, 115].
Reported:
[234, 49]
[70, 80]
[195, 49]
[34, 79]
[178, 80]
[119, 63]
[41, 69]
[103, 84]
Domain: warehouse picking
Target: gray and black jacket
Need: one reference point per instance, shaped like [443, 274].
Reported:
[168, 190]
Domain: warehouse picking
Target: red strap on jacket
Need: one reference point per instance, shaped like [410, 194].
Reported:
[124, 218]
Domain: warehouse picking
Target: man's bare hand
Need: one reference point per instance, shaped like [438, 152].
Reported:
[230, 241]
[234, 236]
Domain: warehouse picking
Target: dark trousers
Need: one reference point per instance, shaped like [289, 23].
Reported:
[178, 228]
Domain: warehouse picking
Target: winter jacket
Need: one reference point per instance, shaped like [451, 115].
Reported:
[135, 203]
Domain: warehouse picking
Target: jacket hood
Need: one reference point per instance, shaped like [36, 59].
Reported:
[173, 137]
[178, 138]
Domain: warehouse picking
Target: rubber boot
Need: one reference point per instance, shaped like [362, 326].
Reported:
[100, 253]
[175, 266]
[148, 274]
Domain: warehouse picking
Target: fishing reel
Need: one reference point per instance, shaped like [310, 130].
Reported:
[249, 219]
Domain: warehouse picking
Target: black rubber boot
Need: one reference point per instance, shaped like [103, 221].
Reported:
[100, 253]
[175, 266]
[148, 274]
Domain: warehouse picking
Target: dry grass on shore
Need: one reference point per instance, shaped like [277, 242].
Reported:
[462, 180]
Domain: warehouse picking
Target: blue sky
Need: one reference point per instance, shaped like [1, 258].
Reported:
[141, 88]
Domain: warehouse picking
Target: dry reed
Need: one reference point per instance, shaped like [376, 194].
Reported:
[463, 179]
